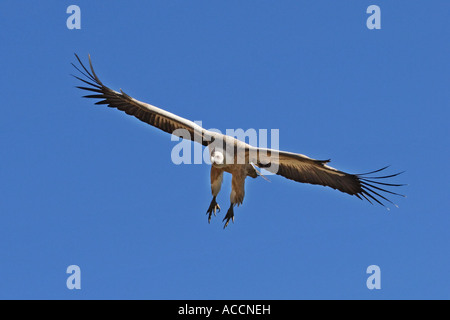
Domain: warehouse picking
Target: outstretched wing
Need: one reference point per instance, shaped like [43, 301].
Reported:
[145, 112]
[301, 168]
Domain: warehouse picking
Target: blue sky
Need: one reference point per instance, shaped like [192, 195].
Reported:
[90, 186]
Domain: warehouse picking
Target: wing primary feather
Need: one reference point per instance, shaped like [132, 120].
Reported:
[368, 194]
[383, 183]
[363, 174]
[87, 82]
[367, 198]
[102, 102]
[377, 194]
[83, 73]
[95, 96]
[82, 65]
[384, 190]
[385, 177]
[93, 72]
[90, 89]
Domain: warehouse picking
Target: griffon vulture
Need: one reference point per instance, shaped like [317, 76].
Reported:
[244, 158]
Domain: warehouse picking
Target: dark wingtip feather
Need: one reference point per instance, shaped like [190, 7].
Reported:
[102, 102]
[88, 75]
[363, 174]
[389, 176]
[95, 96]
[92, 70]
[88, 83]
[369, 190]
[91, 79]
[89, 89]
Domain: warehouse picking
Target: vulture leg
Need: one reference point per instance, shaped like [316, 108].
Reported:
[239, 173]
[216, 183]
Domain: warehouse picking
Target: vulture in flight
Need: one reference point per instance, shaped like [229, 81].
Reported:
[236, 157]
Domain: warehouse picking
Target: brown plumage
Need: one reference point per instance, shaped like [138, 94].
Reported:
[236, 157]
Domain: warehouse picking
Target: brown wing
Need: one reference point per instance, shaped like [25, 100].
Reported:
[301, 168]
[145, 112]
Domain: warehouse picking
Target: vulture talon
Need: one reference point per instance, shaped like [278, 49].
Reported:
[229, 216]
[213, 207]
